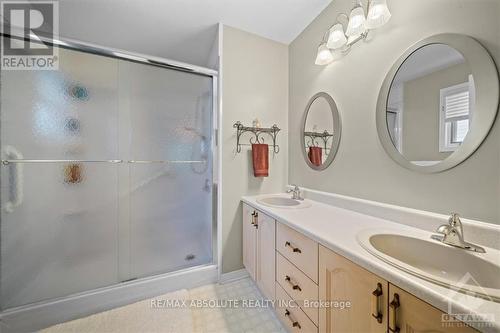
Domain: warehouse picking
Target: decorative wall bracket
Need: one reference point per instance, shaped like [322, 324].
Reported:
[314, 136]
[257, 135]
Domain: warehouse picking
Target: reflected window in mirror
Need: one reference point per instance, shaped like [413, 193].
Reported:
[456, 108]
[428, 110]
[438, 103]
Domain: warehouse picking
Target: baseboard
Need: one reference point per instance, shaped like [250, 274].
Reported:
[233, 276]
[38, 316]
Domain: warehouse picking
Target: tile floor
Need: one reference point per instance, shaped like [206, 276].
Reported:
[236, 306]
[241, 317]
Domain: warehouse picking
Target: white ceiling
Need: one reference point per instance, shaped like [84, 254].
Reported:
[183, 30]
[426, 60]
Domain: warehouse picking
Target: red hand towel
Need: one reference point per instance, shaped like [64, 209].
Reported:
[315, 155]
[260, 157]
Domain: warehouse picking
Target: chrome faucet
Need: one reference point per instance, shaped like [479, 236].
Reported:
[295, 192]
[453, 234]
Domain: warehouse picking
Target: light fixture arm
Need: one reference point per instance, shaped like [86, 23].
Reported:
[325, 37]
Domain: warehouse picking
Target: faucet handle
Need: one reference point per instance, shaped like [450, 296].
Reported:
[454, 219]
[443, 229]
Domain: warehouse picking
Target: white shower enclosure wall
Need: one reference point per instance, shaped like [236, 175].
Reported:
[106, 176]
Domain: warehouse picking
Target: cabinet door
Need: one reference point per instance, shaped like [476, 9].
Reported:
[266, 254]
[249, 241]
[415, 315]
[342, 280]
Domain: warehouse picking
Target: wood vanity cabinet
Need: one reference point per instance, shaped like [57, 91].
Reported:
[297, 279]
[288, 266]
[376, 305]
[259, 232]
[342, 280]
[249, 241]
[408, 313]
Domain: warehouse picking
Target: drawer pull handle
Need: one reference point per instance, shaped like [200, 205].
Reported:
[294, 286]
[255, 217]
[294, 322]
[294, 249]
[392, 314]
[376, 303]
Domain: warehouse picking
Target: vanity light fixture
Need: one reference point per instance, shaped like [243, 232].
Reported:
[324, 56]
[357, 28]
[336, 38]
[378, 15]
[356, 25]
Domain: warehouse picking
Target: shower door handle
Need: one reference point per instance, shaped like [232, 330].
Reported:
[7, 162]
[165, 161]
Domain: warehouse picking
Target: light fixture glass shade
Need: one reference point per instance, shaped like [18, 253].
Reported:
[378, 14]
[324, 56]
[357, 20]
[337, 38]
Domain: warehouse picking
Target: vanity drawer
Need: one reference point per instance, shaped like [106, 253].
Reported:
[297, 285]
[299, 250]
[292, 317]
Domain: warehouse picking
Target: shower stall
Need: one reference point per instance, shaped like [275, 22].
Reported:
[106, 177]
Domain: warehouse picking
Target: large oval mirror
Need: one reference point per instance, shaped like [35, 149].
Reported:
[321, 129]
[438, 103]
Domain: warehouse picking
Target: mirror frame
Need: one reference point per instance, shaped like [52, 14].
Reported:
[337, 131]
[485, 75]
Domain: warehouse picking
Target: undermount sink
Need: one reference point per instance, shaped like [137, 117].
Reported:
[282, 201]
[472, 273]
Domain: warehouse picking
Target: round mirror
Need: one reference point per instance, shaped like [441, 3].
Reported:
[438, 103]
[321, 131]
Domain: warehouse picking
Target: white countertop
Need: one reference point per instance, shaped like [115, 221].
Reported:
[336, 228]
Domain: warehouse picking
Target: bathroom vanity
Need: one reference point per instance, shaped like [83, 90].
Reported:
[312, 256]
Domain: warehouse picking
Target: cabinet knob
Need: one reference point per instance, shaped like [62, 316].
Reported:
[376, 303]
[393, 307]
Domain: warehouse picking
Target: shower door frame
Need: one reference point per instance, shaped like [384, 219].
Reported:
[42, 314]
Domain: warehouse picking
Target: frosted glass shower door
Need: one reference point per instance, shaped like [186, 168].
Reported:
[106, 176]
[170, 168]
[59, 183]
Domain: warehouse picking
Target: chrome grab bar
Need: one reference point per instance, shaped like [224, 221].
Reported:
[15, 194]
[165, 161]
[7, 162]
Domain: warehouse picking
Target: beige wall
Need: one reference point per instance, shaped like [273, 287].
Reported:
[421, 112]
[254, 85]
[362, 168]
